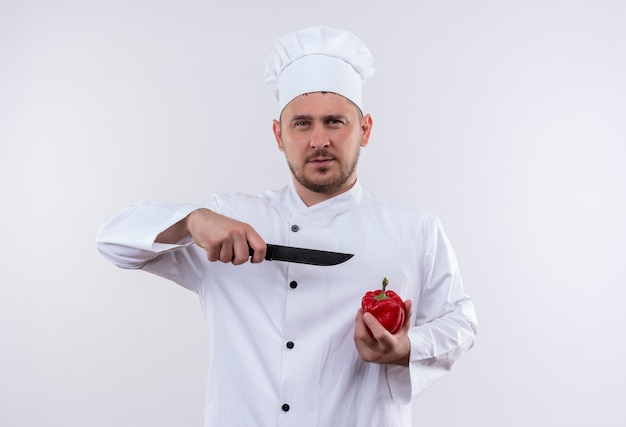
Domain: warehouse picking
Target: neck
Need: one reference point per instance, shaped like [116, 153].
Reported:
[311, 198]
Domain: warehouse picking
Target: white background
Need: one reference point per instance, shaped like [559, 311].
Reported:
[504, 118]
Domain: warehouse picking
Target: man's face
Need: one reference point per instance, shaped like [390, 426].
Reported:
[321, 135]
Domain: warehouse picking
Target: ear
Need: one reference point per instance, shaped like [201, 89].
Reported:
[366, 129]
[278, 135]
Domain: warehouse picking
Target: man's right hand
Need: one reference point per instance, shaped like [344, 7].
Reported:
[224, 239]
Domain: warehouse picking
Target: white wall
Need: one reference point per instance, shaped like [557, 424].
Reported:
[506, 119]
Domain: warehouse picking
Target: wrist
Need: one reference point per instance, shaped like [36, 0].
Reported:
[187, 224]
[406, 354]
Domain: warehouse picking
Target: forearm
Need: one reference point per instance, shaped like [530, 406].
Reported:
[129, 239]
[175, 233]
[434, 349]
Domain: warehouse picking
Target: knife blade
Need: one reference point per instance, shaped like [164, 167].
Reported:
[303, 255]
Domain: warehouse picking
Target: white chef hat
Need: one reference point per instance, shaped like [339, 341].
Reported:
[318, 59]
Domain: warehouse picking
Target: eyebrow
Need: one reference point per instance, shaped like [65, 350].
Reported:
[324, 118]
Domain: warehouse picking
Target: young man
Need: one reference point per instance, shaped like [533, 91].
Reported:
[289, 344]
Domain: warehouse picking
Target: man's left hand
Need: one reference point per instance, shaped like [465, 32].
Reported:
[376, 344]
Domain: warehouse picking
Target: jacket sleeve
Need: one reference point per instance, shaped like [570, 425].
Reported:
[128, 241]
[445, 323]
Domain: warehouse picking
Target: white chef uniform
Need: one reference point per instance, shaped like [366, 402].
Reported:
[281, 334]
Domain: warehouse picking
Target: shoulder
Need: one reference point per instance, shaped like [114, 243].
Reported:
[399, 211]
[236, 204]
[236, 198]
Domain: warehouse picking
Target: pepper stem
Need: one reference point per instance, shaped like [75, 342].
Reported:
[382, 296]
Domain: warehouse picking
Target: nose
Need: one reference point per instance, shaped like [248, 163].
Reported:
[319, 137]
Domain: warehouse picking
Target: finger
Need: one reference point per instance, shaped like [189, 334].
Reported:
[241, 250]
[361, 330]
[363, 339]
[408, 314]
[377, 330]
[213, 253]
[226, 252]
[257, 244]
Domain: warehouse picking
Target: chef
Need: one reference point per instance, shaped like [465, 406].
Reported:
[289, 344]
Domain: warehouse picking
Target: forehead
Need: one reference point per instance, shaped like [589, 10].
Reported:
[319, 103]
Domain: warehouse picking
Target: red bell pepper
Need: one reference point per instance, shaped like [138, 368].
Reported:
[386, 306]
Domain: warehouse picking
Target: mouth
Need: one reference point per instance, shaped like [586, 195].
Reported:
[321, 164]
[321, 160]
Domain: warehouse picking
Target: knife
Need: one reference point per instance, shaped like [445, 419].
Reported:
[303, 255]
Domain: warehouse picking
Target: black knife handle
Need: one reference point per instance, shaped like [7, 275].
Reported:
[268, 253]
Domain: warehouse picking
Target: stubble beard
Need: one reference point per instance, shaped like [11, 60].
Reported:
[322, 186]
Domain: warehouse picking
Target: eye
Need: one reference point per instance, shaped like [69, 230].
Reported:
[334, 122]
